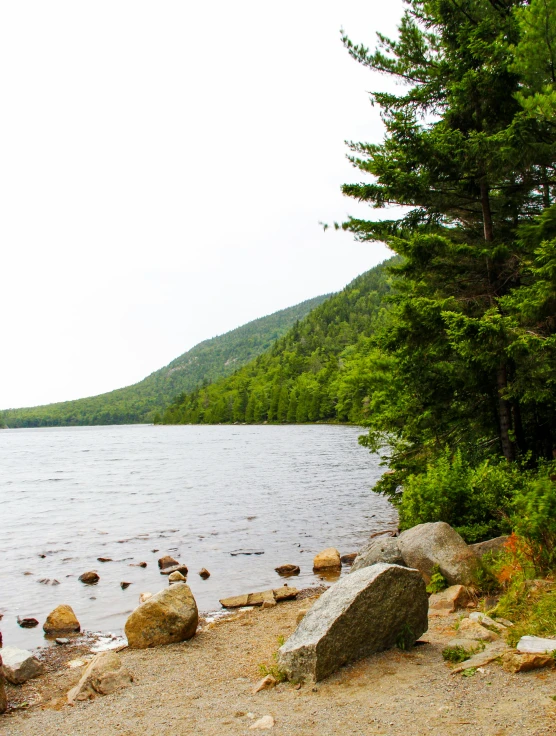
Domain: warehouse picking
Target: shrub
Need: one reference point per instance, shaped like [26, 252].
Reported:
[476, 501]
[534, 519]
[438, 581]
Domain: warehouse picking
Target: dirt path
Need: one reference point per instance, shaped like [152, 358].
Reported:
[204, 687]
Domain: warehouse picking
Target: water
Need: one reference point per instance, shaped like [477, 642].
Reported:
[197, 493]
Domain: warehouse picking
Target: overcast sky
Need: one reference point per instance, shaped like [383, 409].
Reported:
[163, 169]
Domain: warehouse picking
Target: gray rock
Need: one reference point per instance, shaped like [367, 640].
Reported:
[365, 612]
[536, 645]
[385, 549]
[495, 546]
[3, 697]
[436, 543]
[19, 665]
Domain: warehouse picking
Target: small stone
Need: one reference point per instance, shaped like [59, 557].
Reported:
[144, 597]
[61, 618]
[348, 559]
[270, 603]
[297, 686]
[104, 559]
[175, 568]
[89, 578]
[104, 675]
[524, 662]
[27, 623]
[48, 581]
[488, 622]
[267, 683]
[62, 641]
[176, 577]
[469, 629]
[166, 561]
[329, 557]
[204, 573]
[449, 600]
[124, 585]
[263, 723]
[138, 564]
[19, 665]
[287, 570]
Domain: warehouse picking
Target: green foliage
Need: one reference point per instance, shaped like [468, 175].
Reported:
[145, 401]
[535, 518]
[458, 654]
[476, 501]
[532, 609]
[405, 638]
[438, 582]
[319, 371]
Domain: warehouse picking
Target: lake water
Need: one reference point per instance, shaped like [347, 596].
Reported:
[136, 493]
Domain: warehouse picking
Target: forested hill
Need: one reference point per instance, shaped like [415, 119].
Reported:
[206, 362]
[312, 373]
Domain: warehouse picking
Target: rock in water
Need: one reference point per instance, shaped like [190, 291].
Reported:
[367, 611]
[176, 577]
[3, 698]
[89, 578]
[287, 570]
[385, 549]
[348, 559]
[104, 675]
[61, 619]
[167, 561]
[19, 665]
[436, 543]
[204, 573]
[182, 569]
[326, 559]
[164, 618]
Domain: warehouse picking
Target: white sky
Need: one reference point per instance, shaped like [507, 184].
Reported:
[163, 168]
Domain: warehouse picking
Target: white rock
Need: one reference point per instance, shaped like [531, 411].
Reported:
[19, 665]
[263, 723]
[144, 597]
[529, 645]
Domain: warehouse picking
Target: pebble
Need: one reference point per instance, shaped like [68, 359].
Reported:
[263, 723]
[61, 641]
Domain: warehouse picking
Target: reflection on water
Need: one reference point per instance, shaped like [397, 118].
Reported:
[275, 495]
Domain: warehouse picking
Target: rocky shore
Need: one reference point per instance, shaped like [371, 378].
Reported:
[373, 651]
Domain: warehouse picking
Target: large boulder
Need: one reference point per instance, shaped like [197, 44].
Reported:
[437, 544]
[164, 618]
[61, 619]
[494, 546]
[383, 549]
[103, 676]
[3, 697]
[365, 612]
[19, 665]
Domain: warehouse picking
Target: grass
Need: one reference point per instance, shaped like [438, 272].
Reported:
[458, 654]
[531, 608]
[273, 669]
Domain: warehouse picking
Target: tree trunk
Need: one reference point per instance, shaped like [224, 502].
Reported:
[505, 413]
[487, 214]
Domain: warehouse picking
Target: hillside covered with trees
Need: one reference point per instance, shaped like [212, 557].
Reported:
[206, 362]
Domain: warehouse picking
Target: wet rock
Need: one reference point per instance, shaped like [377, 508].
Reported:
[62, 641]
[449, 600]
[263, 723]
[267, 683]
[469, 629]
[104, 559]
[27, 623]
[175, 568]
[166, 561]
[348, 559]
[166, 617]
[204, 573]
[524, 662]
[124, 585]
[89, 578]
[48, 581]
[495, 546]
[436, 543]
[367, 611]
[287, 570]
[536, 645]
[3, 697]
[104, 675]
[237, 552]
[144, 597]
[257, 599]
[19, 665]
[176, 577]
[61, 619]
[381, 549]
[328, 558]
[138, 564]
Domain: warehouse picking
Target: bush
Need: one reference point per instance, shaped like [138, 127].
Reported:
[534, 519]
[476, 501]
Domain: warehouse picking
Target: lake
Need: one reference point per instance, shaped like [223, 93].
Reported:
[199, 493]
